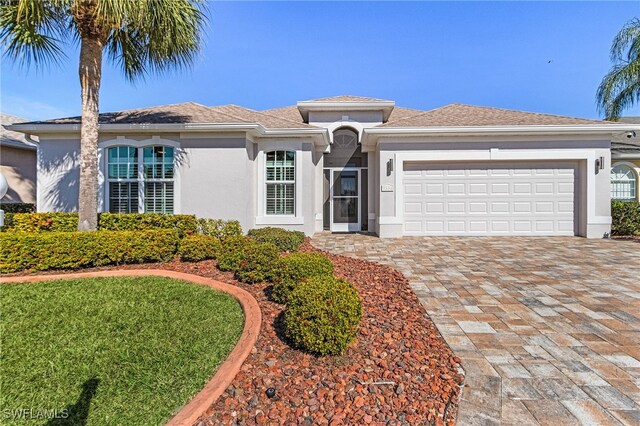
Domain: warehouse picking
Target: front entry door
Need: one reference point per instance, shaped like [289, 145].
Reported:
[345, 200]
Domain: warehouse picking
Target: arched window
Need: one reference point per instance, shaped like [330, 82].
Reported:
[140, 180]
[280, 181]
[623, 183]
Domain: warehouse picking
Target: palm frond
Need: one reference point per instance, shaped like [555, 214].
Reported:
[154, 35]
[620, 88]
[31, 30]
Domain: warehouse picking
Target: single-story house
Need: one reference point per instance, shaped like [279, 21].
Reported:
[625, 163]
[344, 164]
[17, 162]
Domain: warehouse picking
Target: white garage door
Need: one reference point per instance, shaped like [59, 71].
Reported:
[488, 199]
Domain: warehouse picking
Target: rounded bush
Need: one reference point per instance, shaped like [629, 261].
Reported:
[283, 239]
[322, 315]
[297, 267]
[195, 248]
[232, 252]
[259, 263]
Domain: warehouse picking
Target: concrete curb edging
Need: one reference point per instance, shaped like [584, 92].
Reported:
[227, 371]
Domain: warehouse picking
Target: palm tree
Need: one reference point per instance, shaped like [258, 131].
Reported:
[140, 36]
[620, 88]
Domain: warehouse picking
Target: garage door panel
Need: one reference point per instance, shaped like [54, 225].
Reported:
[488, 199]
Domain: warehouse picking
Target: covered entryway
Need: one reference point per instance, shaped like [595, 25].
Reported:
[489, 198]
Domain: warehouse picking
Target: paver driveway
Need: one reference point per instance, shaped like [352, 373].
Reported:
[548, 329]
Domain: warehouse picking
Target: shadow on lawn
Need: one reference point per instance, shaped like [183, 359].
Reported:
[78, 412]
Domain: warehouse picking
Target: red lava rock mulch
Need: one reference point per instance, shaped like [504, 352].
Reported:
[399, 371]
[396, 343]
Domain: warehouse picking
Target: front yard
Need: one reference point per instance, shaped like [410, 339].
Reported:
[111, 350]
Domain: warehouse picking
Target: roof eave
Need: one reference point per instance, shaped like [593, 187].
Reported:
[518, 130]
[385, 106]
[19, 145]
[255, 129]
[625, 156]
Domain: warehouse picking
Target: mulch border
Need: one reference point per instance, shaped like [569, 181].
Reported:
[227, 371]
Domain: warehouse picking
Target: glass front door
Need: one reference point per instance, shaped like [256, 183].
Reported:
[345, 200]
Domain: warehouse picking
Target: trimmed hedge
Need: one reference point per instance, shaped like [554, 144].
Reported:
[68, 222]
[72, 250]
[625, 218]
[18, 207]
[281, 238]
[259, 263]
[322, 315]
[221, 229]
[194, 248]
[232, 253]
[297, 267]
[10, 209]
[183, 223]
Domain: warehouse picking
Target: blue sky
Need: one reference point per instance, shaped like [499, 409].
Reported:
[419, 54]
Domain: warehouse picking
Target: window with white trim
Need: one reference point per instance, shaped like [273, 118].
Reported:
[280, 181]
[623, 183]
[140, 180]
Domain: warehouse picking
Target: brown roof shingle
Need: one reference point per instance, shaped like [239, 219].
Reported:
[265, 118]
[470, 115]
[347, 98]
[187, 112]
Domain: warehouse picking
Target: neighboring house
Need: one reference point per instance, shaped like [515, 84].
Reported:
[17, 162]
[625, 163]
[344, 164]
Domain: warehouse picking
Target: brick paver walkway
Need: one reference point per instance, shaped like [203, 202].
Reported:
[548, 329]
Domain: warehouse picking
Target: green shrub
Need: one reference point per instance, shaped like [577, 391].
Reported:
[232, 252]
[297, 267]
[72, 250]
[258, 263]
[68, 222]
[40, 222]
[221, 229]
[194, 248]
[12, 208]
[322, 315]
[183, 223]
[625, 217]
[18, 207]
[281, 238]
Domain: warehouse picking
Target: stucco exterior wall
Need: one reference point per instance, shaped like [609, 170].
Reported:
[218, 179]
[19, 168]
[58, 174]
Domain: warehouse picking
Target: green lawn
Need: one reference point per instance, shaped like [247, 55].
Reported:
[111, 351]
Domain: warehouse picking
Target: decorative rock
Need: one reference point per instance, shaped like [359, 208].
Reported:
[396, 342]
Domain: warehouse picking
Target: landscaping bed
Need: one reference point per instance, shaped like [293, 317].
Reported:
[398, 371]
[396, 343]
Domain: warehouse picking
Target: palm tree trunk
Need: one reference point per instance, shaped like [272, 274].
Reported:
[90, 74]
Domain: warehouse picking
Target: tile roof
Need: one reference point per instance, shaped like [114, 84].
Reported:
[470, 115]
[188, 112]
[621, 144]
[347, 98]
[11, 138]
[291, 113]
[266, 118]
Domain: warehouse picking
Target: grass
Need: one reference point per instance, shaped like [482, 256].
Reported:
[110, 351]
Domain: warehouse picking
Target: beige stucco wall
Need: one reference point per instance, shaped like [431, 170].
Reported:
[19, 168]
